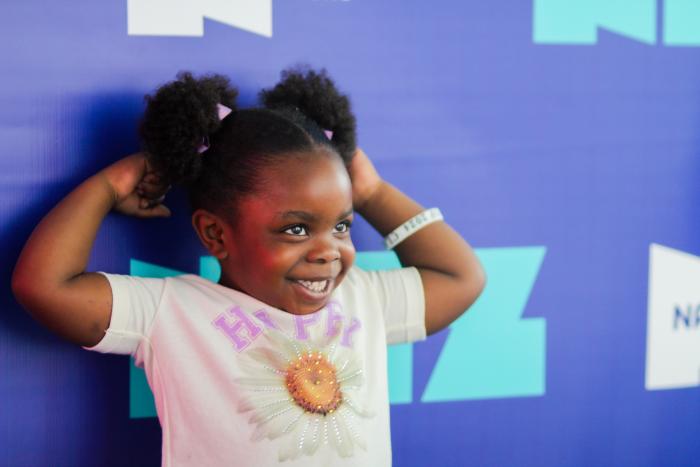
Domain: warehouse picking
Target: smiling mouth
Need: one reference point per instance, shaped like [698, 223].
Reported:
[318, 287]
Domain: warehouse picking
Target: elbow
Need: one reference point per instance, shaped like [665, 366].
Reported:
[24, 289]
[475, 283]
[21, 289]
[19, 285]
[480, 281]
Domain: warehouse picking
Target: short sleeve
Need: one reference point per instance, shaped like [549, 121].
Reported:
[402, 300]
[135, 301]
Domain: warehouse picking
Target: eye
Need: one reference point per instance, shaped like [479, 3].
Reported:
[296, 230]
[343, 227]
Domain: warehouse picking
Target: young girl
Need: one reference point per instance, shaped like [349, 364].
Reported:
[284, 359]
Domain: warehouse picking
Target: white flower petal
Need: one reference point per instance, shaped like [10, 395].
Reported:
[261, 403]
[351, 403]
[341, 366]
[324, 430]
[292, 348]
[261, 382]
[272, 424]
[295, 444]
[267, 414]
[312, 438]
[349, 419]
[276, 360]
[285, 424]
[339, 436]
[349, 374]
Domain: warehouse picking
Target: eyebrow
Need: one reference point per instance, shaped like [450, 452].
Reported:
[309, 217]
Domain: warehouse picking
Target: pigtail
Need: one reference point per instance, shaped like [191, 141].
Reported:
[179, 118]
[316, 96]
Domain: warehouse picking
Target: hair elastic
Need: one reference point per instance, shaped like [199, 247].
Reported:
[222, 111]
[411, 226]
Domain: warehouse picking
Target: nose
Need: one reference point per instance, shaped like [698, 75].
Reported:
[324, 249]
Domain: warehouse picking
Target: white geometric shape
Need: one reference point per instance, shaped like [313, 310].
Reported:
[186, 17]
[673, 319]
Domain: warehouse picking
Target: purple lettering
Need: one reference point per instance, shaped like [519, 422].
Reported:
[265, 318]
[335, 319]
[233, 330]
[301, 323]
[347, 333]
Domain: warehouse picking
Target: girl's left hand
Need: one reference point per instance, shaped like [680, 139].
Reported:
[365, 179]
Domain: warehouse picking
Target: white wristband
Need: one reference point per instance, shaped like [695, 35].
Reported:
[411, 226]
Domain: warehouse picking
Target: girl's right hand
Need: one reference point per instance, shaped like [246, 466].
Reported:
[138, 190]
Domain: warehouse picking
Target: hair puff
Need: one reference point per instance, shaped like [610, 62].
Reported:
[316, 96]
[178, 118]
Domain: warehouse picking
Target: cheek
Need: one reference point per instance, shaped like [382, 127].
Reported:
[347, 259]
[347, 254]
[278, 259]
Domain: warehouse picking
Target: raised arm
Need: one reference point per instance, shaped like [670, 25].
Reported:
[49, 279]
[452, 275]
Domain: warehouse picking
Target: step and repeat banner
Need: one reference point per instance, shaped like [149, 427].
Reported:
[561, 138]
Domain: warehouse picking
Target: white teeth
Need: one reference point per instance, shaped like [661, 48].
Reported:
[317, 286]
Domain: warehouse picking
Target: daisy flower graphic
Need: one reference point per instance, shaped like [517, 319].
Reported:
[306, 393]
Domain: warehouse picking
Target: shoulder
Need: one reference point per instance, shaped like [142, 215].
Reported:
[356, 275]
[193, 286]
[168, 285]
[381, 280]
[193, 282]
[358, 278]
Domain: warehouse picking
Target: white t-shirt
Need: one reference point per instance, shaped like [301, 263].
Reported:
[233, 378]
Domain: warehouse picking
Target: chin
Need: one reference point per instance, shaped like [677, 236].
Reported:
[307, 309]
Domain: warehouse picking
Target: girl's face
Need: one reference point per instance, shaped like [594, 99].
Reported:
[291, 246]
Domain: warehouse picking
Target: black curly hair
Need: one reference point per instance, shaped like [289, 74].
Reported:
[183, 114]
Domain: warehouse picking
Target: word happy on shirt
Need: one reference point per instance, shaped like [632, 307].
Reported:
[242, 330]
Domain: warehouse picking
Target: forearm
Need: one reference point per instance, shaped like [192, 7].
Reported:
[436, 247]
[451, 273]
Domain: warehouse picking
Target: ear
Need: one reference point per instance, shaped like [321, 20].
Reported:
[210, 230]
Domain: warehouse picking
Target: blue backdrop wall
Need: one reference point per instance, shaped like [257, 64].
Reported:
[560, 137]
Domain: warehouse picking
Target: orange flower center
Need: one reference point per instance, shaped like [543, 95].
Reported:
[312, 382]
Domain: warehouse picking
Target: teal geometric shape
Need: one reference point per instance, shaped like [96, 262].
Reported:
[577, 21]
[141, 402]
[491, 352]
[377, 260]
[682, 22]
[209, 268]
[400, 356]
[144, 269]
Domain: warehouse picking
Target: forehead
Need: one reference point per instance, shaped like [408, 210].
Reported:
[316, 182]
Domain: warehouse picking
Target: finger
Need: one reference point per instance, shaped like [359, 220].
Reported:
[149, 167]
[160, 210]
[146, 203]
[150, 190]
[152, 172]
[153, 177]
[155, 183]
